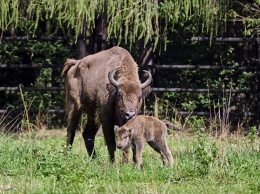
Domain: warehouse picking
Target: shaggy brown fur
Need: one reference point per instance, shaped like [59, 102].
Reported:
[106, 86]
[139, 130]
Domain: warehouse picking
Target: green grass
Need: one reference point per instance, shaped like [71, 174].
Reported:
[40, 163]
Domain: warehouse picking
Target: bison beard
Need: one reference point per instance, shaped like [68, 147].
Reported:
[107, 88]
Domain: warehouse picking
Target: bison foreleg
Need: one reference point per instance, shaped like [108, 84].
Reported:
[108, 130]
[89, 136]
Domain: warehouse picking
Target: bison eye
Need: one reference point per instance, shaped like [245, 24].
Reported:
[119, 94]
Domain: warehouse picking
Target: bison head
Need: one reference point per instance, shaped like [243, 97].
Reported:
[129, 93]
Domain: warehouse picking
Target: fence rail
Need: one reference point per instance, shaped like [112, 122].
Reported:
[205, 67]
[48, 38]
[182, 113]
[29, 66]
[225, 39]
[36, 111]
[32, 88]
[42, 38]
[208, 67]
[205, 90]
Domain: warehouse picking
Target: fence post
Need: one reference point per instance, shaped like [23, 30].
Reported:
[258, 86]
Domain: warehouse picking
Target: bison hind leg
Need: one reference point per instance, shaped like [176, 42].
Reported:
[73, 120]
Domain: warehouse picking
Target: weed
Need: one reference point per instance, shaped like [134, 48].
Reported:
[205, 154]
[252, 134]
[196, 123]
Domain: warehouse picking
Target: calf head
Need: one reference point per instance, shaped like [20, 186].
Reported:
[129, 95]
[123, 135]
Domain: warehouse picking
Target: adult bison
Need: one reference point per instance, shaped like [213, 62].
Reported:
[106, 86]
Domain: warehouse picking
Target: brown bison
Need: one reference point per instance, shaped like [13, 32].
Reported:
[139, 130]
[106, 86]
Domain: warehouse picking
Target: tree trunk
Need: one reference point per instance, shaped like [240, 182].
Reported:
[100, 33]
[147, 59]
[81, 48]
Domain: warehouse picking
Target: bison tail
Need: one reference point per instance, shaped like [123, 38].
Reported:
[69, 63]
[172, 126]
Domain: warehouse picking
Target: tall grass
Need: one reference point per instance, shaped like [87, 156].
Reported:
[39, 162]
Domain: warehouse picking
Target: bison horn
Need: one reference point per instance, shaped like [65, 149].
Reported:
[115, 83]
[111, 78]
[148, 81]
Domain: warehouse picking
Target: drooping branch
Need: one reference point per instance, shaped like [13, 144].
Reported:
[128, 20]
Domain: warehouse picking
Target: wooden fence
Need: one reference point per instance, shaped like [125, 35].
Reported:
[157, 67]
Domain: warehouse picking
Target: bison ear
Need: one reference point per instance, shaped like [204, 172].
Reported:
[111, 88]
[146, 91]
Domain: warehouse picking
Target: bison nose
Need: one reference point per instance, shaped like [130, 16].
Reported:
[129, 114]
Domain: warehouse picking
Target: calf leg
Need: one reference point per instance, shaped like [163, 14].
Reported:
[168, 154]
[157, 149]
[126, 155]
[89, 134]
[137, 154]
[73, 121]
[134, 155]
[162, 148]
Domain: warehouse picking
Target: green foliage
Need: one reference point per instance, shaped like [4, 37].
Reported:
[231, 54]
[35, 52]
[249, 14]
[205, 154]
[189, 106]
[252, 133]
[196, 123]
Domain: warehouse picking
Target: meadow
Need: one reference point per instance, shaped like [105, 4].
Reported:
[39, 162]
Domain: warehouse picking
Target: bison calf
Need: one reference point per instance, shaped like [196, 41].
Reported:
[143, 128]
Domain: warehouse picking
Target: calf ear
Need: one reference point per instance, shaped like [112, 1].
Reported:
[116, 128]
[130, 130]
